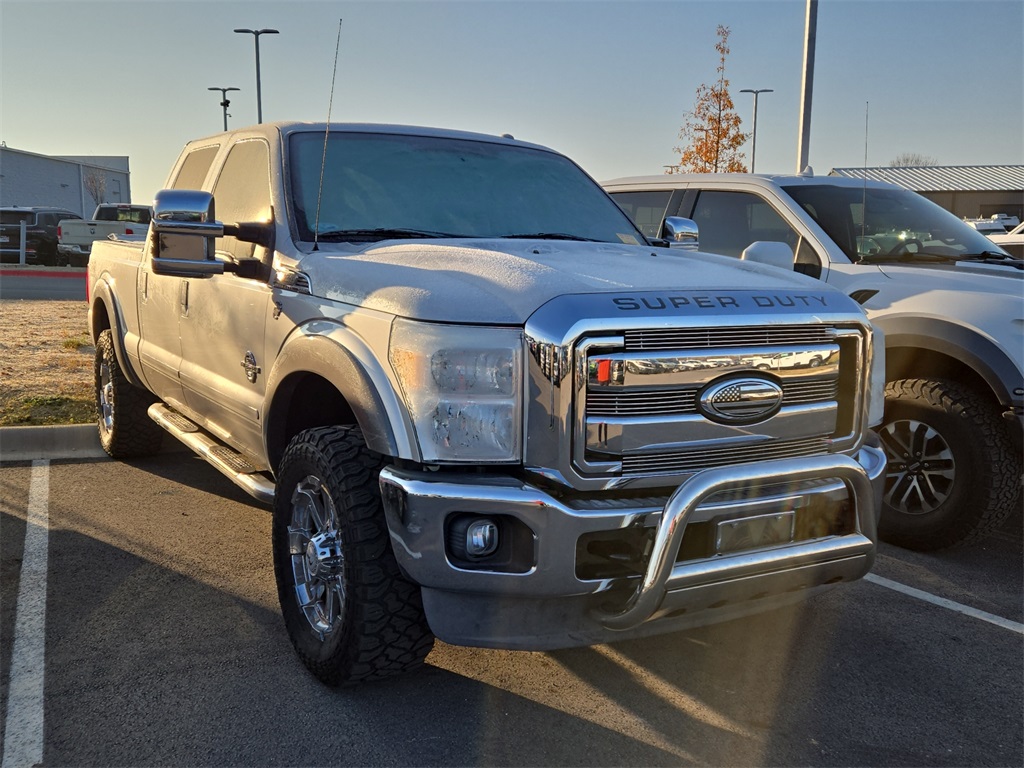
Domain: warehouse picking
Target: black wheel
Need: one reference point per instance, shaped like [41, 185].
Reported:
[953, 474]
[125, 428]
[351, 614]
[48, 255]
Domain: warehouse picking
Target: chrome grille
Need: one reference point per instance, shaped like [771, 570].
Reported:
[675, 402]
[743, 336]
[703, 458]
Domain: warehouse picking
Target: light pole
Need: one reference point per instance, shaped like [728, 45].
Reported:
[224, 103]
[259, 96]
[753, 144]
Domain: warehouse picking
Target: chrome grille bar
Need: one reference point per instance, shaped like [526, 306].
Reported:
[697, 338]
[674, 402]
[693, 460]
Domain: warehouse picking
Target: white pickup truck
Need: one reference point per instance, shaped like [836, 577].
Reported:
[75, 236]
[483, 406]
[949, 300]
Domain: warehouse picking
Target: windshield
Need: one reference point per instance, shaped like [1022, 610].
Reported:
[378, 186]
[16, 217]
[872, 224]
[118, 213]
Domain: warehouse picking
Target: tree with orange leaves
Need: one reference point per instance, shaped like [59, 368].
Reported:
[711, 134]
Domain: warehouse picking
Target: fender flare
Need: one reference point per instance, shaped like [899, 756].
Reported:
[336, 354]
[103, 293]
[967, 345]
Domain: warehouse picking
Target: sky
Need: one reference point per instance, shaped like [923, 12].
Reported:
[607, 82]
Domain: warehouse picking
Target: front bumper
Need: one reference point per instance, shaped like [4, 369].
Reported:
[548, 605]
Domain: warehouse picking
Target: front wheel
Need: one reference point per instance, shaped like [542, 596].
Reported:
[953, 475]
[350, 613]
[125, 428]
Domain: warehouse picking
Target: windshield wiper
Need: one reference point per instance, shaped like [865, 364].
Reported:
[986, 255]
[550, 236]
[380, 233]
[906, 256]
[993, 257]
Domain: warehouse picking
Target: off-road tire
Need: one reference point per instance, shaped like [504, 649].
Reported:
[125, 429]
[953, 473]
[377, 627]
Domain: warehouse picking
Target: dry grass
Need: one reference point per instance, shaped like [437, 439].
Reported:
[46, 360]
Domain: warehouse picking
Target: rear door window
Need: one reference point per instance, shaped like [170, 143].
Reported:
[647, 209]
[193, 171]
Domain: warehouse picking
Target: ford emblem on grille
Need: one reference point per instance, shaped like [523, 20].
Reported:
[741, 401]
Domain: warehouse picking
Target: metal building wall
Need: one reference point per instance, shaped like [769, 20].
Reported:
[27, 179]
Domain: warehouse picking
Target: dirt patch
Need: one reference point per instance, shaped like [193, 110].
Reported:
[46, 359]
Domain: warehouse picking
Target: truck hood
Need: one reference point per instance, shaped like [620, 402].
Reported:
[505, 281]
[979, 277]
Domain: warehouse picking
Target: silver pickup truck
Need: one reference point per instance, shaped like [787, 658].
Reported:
[483, 406]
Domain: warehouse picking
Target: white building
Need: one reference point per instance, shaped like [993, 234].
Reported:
[969, 191]
[74, 183]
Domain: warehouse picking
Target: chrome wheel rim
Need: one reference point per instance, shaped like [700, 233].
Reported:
[921, 469]
[105, 394]
[314, 544]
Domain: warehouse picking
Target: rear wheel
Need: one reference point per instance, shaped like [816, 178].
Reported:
[351, 614]
[125, 428]
[953, 474]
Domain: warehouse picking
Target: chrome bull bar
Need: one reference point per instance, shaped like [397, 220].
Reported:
[663, 574]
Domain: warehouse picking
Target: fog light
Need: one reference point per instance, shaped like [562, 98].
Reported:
[481, 538]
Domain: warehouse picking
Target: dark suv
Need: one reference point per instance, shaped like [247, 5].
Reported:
[40, 234]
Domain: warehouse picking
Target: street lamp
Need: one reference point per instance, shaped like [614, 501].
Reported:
[259, 96]
[225, 102]
[753, 143]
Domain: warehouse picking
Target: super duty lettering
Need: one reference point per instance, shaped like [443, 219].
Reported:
[657, 302]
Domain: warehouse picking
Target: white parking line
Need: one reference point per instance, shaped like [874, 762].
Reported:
[991, 618]
[23, 732]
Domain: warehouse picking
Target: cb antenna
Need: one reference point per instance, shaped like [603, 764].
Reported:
[327, 130]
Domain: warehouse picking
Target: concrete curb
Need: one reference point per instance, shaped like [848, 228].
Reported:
[76, 441]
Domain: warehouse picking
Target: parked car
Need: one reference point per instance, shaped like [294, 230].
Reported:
[40, 234]
[1012, 242]
[76, 236]
[492, 413]
[992, 226]
[949, 301]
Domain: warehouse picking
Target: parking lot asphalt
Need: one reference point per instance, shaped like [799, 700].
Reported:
[28, 281]
[155, 639]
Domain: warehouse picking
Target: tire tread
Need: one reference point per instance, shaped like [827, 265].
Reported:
[992, 500]
[387, 632]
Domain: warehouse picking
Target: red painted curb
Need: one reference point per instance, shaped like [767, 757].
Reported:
[39, 273]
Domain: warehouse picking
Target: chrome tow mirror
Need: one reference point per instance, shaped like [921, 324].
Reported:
[681, 233]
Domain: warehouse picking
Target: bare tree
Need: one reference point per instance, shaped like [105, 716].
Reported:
[912, 160]
[95, 183]
[711, 133]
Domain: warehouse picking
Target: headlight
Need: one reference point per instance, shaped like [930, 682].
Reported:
[876, 394]
[463, 388]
